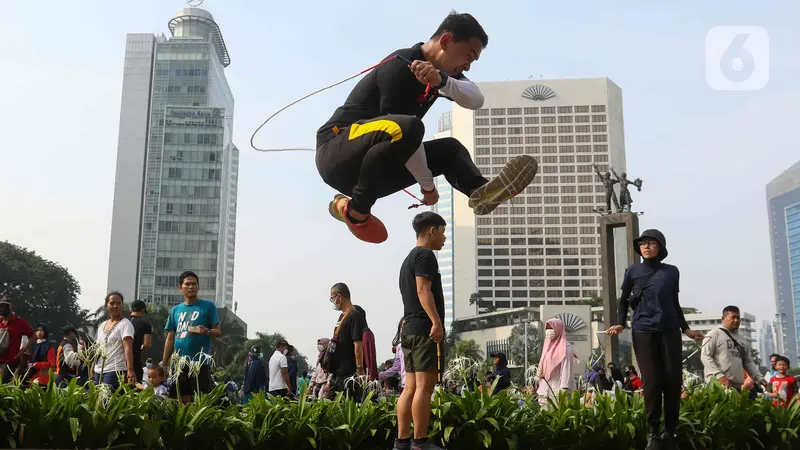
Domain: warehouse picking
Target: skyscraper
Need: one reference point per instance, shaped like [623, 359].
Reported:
[444, 207]
[766, 341]
[177, 168]
[543, 246]
[783, 209]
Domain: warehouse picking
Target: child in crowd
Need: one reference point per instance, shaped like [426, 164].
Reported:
[156, 379]
[391, 387]
[783, 386]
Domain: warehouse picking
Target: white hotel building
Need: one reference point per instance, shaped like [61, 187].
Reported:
[543, 247]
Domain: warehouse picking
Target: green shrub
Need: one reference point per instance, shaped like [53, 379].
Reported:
[48, 417]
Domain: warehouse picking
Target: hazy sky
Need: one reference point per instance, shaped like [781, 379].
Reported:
[704, 155]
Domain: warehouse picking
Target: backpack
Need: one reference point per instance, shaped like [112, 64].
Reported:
[329, 355]
[370, 357]
[4, 340]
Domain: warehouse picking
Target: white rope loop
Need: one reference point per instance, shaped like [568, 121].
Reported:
[252, 138]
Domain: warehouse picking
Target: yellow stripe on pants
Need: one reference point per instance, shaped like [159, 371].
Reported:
[386, 126]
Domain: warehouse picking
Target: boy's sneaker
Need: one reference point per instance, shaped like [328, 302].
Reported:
[371, 230]
[513, 179]
[401, 445]
[428, 445]
[653, 442]
[668, 441]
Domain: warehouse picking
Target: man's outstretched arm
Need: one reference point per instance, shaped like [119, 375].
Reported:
[463, 91]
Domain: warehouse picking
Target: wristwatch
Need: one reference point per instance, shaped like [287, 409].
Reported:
[444, 80]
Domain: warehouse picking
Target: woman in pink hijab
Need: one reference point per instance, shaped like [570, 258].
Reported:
[555, 367]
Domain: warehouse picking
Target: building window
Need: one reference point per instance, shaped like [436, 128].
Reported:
[565, 109]
[482, 112]
[532, 110]
[598, 108]
[498, 111]
[531, 120]
[514, 111]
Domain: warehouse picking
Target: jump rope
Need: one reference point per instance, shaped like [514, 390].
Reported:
[368, 69]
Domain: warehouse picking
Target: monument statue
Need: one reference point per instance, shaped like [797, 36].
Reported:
[608, 184]
[625, 199]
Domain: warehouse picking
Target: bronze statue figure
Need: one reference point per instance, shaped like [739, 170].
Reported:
[608, 184]
[625, 199]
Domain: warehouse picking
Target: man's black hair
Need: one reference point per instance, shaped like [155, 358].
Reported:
[774, 355]
[341, 288]
[730, 308]
[186, 275]
[784, 359]
[425, 221]
[463, 27]
[282, 343]
[113, 293]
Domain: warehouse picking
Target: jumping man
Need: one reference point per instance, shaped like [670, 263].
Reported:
[372, 145]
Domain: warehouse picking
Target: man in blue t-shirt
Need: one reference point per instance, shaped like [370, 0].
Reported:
[190, 327]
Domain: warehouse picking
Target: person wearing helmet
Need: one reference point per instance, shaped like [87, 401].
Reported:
[651, 289]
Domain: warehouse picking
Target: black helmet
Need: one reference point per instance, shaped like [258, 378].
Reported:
[656, 235]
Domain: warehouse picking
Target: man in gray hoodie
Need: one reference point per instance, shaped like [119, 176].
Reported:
[726, 354]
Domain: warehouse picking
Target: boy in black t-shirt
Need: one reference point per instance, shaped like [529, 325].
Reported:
[423, 331]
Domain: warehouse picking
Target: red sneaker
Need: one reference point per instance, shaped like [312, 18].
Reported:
[372, 230]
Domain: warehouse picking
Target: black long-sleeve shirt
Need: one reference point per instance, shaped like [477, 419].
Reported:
[659, 308]
[391, 88]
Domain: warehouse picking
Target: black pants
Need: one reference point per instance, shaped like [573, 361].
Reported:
[366, 160]
[340, 383]
[659, 357]
[280, 393]
[138, 370]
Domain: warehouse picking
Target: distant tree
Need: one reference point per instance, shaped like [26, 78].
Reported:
[687, 310]
[477, 300]
[592, 301]
[466, 349]
[516, 344]
[41, 290]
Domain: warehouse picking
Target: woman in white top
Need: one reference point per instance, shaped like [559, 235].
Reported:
[115, 340]
[555, 366]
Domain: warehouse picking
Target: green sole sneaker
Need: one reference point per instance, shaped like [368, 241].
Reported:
[512, 180]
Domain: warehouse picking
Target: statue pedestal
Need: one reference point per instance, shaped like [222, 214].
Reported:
[608, 223]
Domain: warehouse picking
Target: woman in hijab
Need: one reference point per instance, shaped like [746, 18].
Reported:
[319, 380]
[501, 373]
[555, 366]
[44, 357]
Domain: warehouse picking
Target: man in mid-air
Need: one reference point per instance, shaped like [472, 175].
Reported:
[372, 145]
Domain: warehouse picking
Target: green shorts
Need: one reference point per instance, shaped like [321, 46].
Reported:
[419, 353]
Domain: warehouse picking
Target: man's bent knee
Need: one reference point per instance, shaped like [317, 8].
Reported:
[412, 127]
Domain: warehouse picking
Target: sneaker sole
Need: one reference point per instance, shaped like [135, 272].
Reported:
[512, 180]
[333, 210]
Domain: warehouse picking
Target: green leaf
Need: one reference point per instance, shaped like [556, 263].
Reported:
[74, 427]
[447, 432]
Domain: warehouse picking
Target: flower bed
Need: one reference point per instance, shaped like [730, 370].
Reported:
[93, 418]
